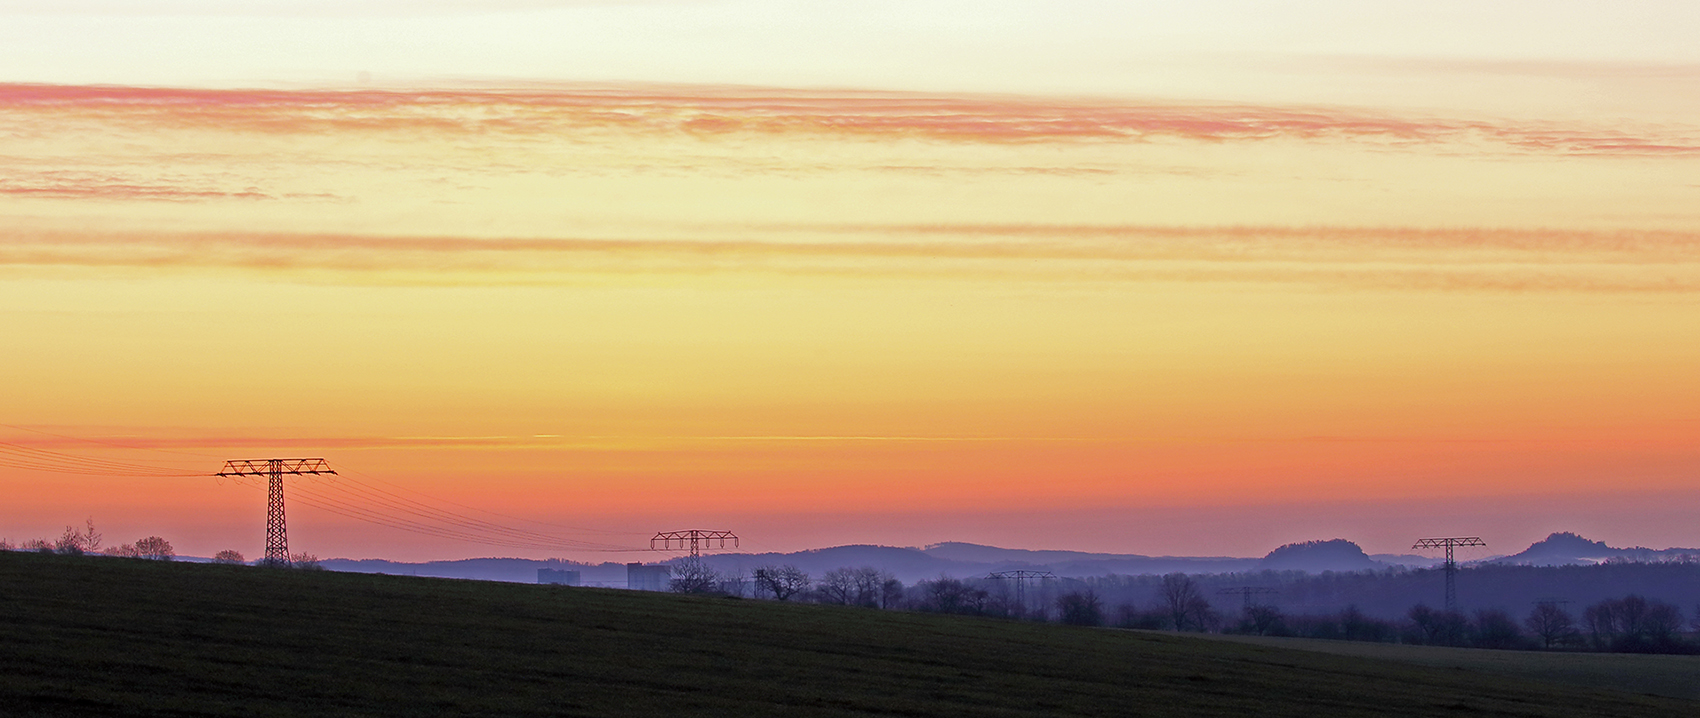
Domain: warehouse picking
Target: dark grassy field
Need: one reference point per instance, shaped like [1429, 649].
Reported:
[93, 636]
[1674, 676]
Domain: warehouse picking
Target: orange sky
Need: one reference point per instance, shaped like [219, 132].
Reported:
[825, 316]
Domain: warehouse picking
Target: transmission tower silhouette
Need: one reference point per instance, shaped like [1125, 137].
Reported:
[1450, 566]
[694, 539]
[1021, 577]
[1248, 592]
[277, 534]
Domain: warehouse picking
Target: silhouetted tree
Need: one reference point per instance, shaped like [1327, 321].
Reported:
[123, 550]
[694, 575]
[230, 556]
[1552, 624]
[949, 595]
[838, 586]
[156, 548]
[77, 543]
[1496, 629]
[1634, 624]
[1185, 603]
[1263, 621]
[870, 586]
[1081, 608]
[1131, 616]
[1355, 626]
[863, 586]
[1438, 628]
[891, 593]
[782, 582]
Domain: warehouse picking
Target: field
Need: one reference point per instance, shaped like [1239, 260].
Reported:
[1674, 676]
[95, 636]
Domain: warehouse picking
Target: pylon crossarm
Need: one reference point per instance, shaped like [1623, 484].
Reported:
[266, 467]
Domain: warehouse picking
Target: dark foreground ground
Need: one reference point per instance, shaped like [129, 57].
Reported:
[100, 636]
[1673, 676]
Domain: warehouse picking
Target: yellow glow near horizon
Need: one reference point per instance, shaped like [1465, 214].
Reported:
[574, 302]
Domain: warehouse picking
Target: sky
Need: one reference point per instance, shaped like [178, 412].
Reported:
[544, 278]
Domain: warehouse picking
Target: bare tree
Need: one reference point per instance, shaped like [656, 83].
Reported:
[125, 551]
[782, 582]
[229, 556]
[77, 543]
[694, 575]
[1262, 620]
[949, 595]
[1081, 608]
[1496, 629]
[305, 562]
[1185, 604]
[891, 592]
[6, 545]
[156, 548]
[838, 586]
[1552, 624]
[870, 585]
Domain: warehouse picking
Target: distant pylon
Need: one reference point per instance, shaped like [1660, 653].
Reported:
[694, 539]
[277, 534]
[1450, 566]
[1247, 592]
[1021, 577]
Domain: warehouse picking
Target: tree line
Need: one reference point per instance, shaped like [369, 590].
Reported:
[87, 542]
[1178, 602]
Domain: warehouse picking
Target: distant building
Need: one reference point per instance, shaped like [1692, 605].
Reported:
[647, 578]
[558, 578]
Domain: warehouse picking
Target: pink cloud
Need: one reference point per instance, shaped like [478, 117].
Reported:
[716, 111]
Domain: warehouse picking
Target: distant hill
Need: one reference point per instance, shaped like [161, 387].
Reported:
[968, 560]
[1319, 556]
[1567, 549]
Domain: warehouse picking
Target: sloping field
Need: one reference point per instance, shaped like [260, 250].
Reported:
[93, 636]
[1674, 676]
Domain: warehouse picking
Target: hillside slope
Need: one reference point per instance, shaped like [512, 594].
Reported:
[118, 636]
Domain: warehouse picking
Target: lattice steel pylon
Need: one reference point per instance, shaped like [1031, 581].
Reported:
[1450, 566]
[1248, 592]
[277, 533]
[1021, 577]
[696, 539]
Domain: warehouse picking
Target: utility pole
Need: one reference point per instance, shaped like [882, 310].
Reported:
[1247, 592]
[277, 537]
[1021, 577]
[695, 539]
[1450, 566]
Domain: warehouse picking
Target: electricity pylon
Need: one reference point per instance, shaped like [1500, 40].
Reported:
[277, 537]
[1021, 577]
[1248, 592]
[1450, 566]
[696, 539]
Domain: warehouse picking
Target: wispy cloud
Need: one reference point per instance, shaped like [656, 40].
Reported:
[720, 111]
[1421, 259]
[69, 184]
